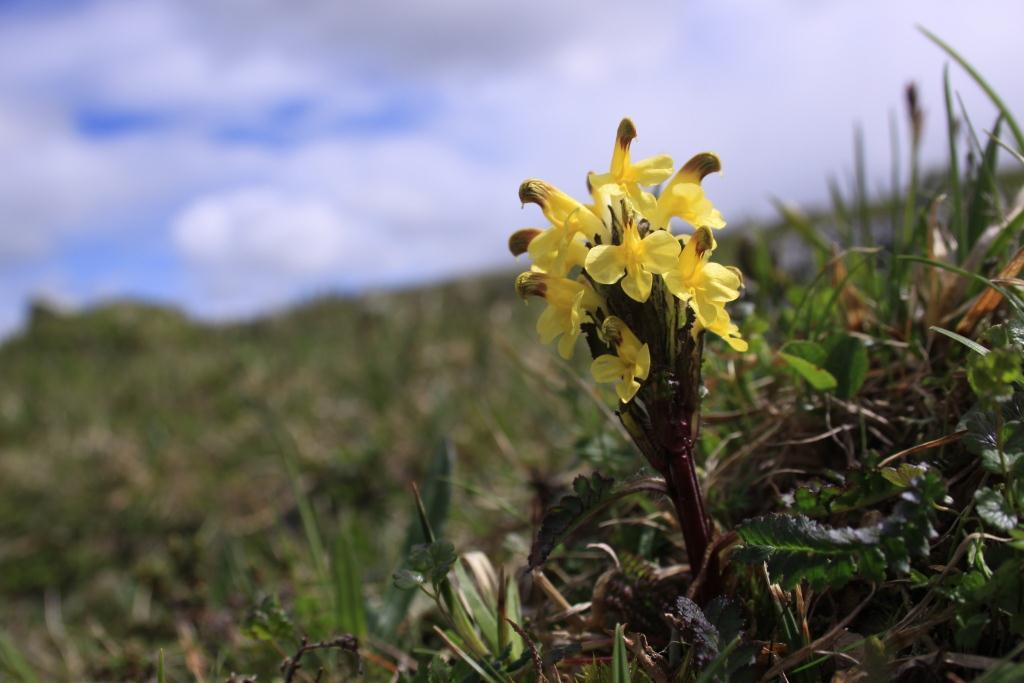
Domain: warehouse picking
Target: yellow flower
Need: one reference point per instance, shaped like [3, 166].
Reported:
[706, 286]
[631, 362]
[627, 176]
[639, 259]
[684, 198]
[727, 330]
[568, 301]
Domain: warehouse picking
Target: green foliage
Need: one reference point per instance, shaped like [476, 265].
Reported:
[996, 436]
[428, 563]
[995, 509]
[840, 366]
[435, 497]
[268, 622]
[14, 663]
[807, 359]
[800, 549]
[996, 374]
[620, 663]
[590, 495]
[857, 489]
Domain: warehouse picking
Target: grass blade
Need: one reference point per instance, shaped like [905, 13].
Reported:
[14, 662]
[984, 194]
[349, 603]
[982, 83]
[969, 343]
[1009, 296]
[620, 663]
[436, 494]
[958, 226]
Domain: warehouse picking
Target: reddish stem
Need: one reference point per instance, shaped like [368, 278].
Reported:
[684, 489]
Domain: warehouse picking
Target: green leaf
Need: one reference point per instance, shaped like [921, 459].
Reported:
[407, 579]
[903, 475]
[268, 622]
[847, 362]
[797, 548]
[985, 440]
[590, 495]
[984, 193]
[969, 343]
[807, 359]
[436, 494]
[349, 603]
[1007, 672]
[994, 375]
[695, 629]
[14, 662]
[481, 613]
[433, 560]
[812, 352]
[1007, 335]
[620, 663]
[993, 508]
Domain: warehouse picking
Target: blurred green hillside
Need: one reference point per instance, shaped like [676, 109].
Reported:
[145, 457]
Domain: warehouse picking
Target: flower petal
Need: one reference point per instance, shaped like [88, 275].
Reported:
[607, 368]
[653, 170]
[643, 362]
[706, 311]
[720, 283]
[606, 263]
[637, 284]
[677, 284]
[567, 343]
[626, 389]
[661, 251]
[550, 324]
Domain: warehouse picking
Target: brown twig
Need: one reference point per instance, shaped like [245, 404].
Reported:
[290, 666]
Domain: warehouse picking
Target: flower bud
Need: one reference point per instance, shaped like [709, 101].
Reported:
[520, 240]
[698, 168]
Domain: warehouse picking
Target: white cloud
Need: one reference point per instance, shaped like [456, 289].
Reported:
[262, 229]
[496, 92]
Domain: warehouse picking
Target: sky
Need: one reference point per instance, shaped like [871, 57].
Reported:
[231, 157]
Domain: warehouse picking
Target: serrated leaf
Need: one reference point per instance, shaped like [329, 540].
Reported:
[589, 495]
[819, 378]
[847, 362]
[993, 508]
[694, 629]
[797, 548]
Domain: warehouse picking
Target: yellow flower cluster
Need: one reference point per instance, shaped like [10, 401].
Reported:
[624, 237]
